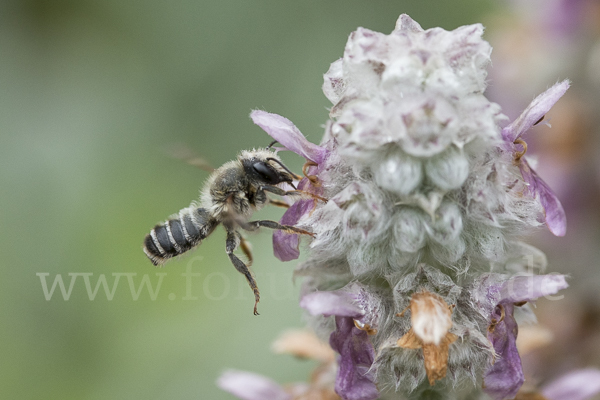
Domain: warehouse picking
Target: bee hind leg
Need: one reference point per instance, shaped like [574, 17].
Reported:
[231, 243]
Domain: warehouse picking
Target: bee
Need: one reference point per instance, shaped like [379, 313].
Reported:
[229, 197]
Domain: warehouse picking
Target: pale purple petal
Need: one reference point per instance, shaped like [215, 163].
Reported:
[339, 303]
[534, 112]
[249, 386]
[555, 213]
[577, 385]
[504, 378]
[286, 133]
[286, 245]
[529, 288]
[355, 379]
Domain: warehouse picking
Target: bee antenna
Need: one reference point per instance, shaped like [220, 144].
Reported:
[271, 144]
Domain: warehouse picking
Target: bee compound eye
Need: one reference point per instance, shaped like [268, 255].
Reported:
[265, 172]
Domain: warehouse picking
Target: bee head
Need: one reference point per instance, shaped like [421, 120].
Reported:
[266, 167]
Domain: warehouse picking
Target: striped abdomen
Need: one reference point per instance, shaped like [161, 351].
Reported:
[178, 235]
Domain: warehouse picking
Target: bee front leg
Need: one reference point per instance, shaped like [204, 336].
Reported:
[231, 243]
[312, 178]
[254, 225]
[301, 193]
[279, 203]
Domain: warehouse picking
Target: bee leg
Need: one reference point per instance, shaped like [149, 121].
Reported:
[231, 243]
[254, 225]
[279, 203]
[301, 193]
[312, 178]
[247, 249]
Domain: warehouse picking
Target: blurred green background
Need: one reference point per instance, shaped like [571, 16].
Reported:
[92, 96]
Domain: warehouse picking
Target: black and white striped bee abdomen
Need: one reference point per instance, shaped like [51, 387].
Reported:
[179, 234]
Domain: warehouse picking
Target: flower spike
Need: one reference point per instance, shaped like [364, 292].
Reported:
[424, 203]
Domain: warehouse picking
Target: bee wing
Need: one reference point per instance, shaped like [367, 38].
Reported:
[184, 153]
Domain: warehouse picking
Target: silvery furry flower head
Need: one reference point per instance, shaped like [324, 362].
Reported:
[417, 275]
